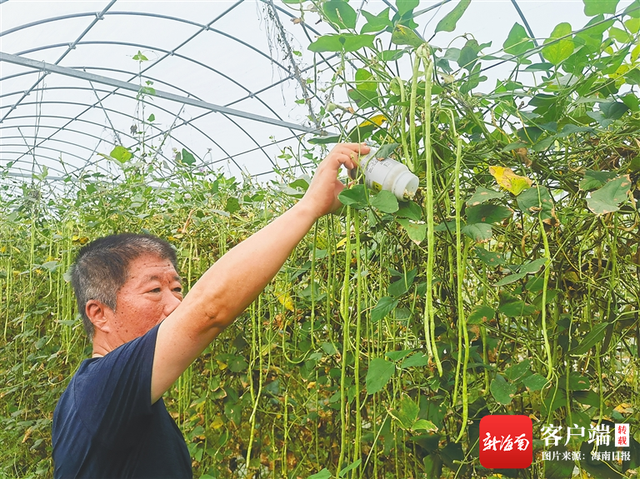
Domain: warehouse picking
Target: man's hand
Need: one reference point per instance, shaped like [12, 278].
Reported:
[322, 196]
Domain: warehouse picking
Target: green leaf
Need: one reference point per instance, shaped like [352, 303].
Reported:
[423, 424]
[232, 205]
[619, 35]
[513, 307]
[631, 100]
[398, 355]
[350, 467]
[533, 266]
[512, 278]
[490, 258]
[417, 232]
[448, 23]
[364, 99]
[469, 55]
[300, 184]
[608, 198]
[633, 25]
[488, 214]
[517, 371]
[590, 398]
[577, 382]
[401, 286]
[364, 80]
[356, 197]
[478, 232]
[405, 6]
[482, 195]
[324, 473]
[502, 391]
[386, 202]
[557, 49]
[597, 7]
[378, 375]
[237, 364]
[415, 360]
[633, 78]
[571, 129]
[535, 382]
[407, 412]
[139, 57]
[410, 210]
[633, 10]
[403, 35]
[376, 23]
[187, 157]
[595, 179]
[147, 90]
[613, 110]
[385, 305]
[50, 266]
[324, 140]
[151, 118]
[518, 41]
[121, 154]
[595, 335]
[391, 55]
[386, 150]
[592, 32]
[537, 201]
[348, 42]
[480, 314]
[340, 13]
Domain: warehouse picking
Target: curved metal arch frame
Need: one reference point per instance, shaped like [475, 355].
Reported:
[183, 122]
[87, 163]
[251, 94]
[137, 45]
[61, 141]
[203, 28]
[135, 141]
[95, 104]
[77, 118]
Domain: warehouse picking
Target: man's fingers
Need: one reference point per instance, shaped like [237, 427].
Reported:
[348, 154]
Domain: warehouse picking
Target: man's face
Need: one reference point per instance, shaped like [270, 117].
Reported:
[150, 294]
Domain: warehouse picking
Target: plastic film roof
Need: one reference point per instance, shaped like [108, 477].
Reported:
[213, 77]
[232, 82]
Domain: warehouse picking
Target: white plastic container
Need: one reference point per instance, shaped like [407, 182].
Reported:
[388, 174]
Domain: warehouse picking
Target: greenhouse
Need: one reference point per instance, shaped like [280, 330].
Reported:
[463, 302]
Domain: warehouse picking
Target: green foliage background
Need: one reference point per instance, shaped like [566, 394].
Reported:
[509, 285]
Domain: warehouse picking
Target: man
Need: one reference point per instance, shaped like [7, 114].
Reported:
[111, 421]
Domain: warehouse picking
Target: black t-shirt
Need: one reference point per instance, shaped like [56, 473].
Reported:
[104, 425]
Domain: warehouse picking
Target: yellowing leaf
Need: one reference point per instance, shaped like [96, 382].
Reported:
[221, 365]
[79, 239]
[507, 179]
[284, 297]
[624, 408]
[618, 75]
[341, 243]
[217, 423]
[377, 120]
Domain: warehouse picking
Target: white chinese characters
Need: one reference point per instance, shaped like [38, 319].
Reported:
[492, 443]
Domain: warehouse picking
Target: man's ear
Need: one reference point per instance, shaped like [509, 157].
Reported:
[99, 314]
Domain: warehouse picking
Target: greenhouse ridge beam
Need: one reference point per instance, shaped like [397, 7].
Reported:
[51, 68]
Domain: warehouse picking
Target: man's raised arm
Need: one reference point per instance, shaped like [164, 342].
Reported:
[236, 279]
